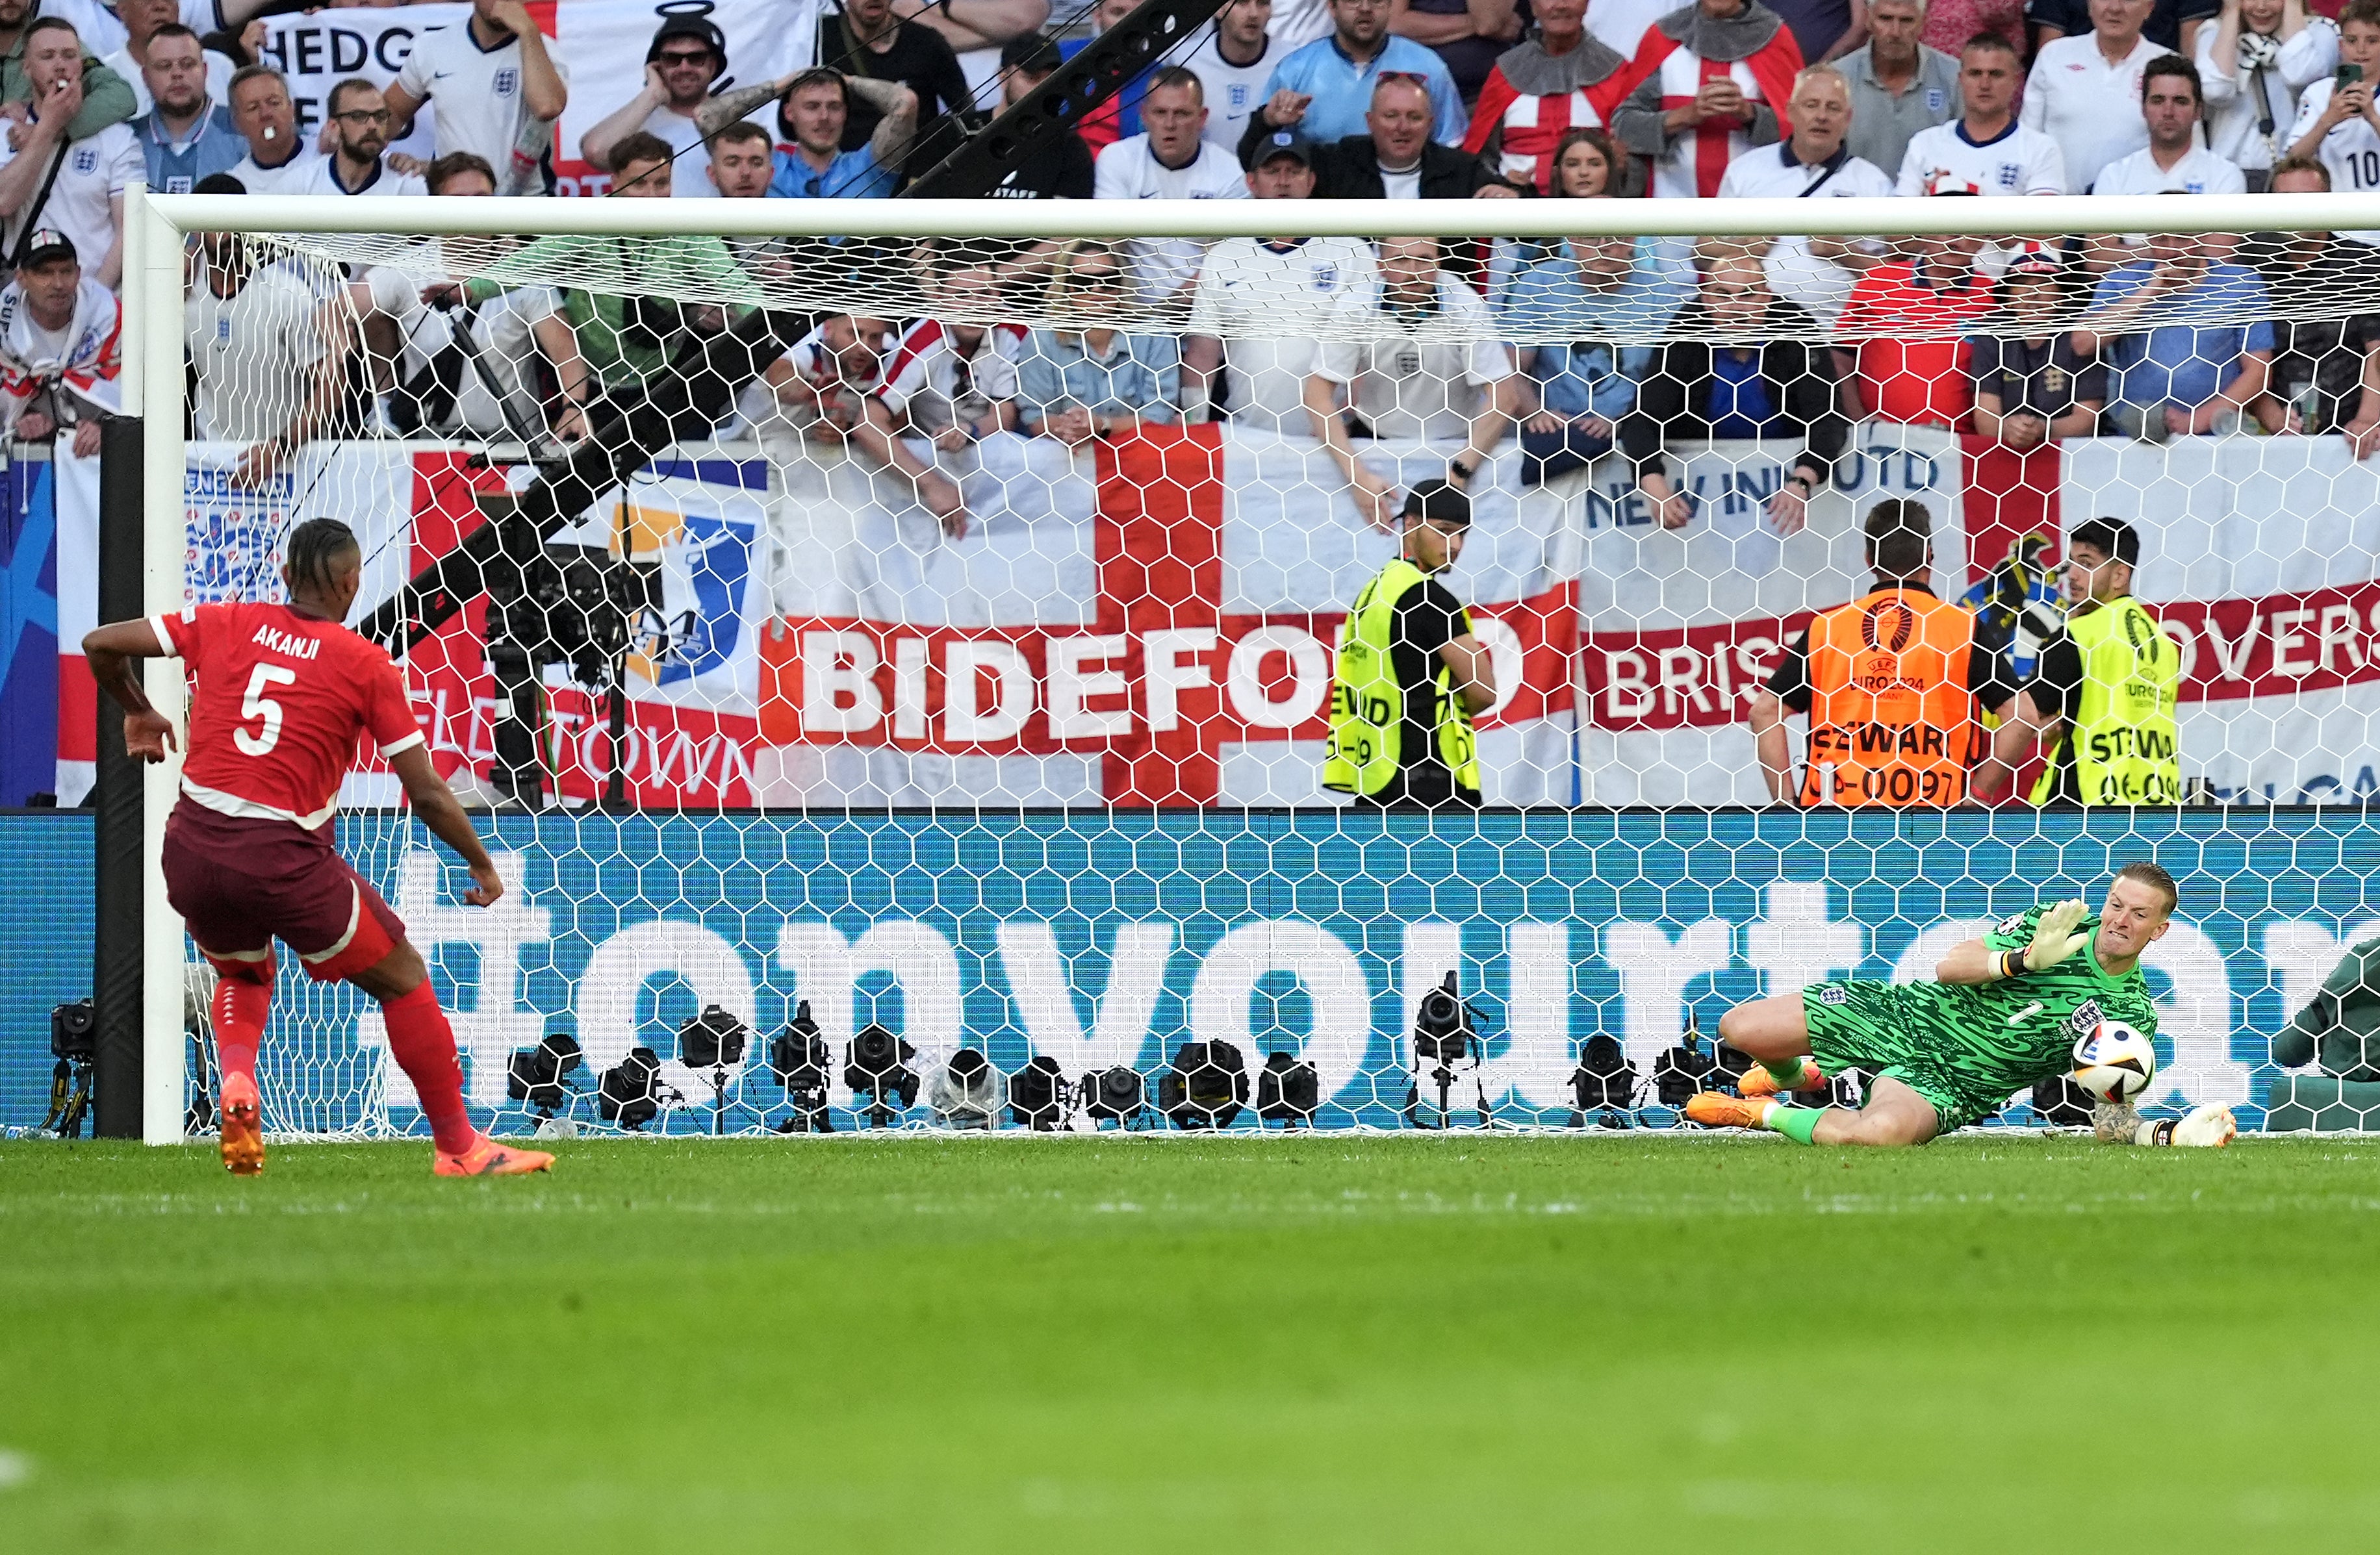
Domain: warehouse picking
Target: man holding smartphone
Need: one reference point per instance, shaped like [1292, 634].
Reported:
[2337, 125]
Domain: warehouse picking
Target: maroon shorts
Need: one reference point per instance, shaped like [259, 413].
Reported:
[239, 885]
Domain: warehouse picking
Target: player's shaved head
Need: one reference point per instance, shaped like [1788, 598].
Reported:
[2148, 873]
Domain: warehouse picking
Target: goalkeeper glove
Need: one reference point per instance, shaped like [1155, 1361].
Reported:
[2204, 1127]
[2055, 938]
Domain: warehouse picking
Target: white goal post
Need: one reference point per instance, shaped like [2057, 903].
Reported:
[158, 228]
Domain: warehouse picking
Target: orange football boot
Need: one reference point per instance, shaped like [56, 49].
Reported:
[1713, 1111]
[241, 1114]
[486, 1158]
[1758, 1081]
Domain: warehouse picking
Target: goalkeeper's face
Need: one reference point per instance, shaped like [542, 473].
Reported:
[2135, 915]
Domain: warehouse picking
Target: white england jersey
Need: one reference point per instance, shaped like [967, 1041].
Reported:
[318, 177]
[1234, 92]
[481, 105]
[2200, 171]
[1422, 378]
[1255, 298]
[2090, 108]
[95, 171]
[1821, 286]
[2016, 162]
[285, 179]
[255, 352]
[931, 382]
[1129, 170]
[219, 69]
[2352, 151]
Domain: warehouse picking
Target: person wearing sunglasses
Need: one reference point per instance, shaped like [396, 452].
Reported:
[685, 59]
[1095, 381]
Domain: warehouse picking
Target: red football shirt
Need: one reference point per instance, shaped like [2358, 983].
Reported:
[1920, 382]
[278, 702]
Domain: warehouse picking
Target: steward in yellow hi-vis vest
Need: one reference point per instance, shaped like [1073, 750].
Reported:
[2103, 695]
[1890, 683]
[1410, 674]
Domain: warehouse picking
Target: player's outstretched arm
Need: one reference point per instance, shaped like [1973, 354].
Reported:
[443, 813]
[2055, 936]
[112, 651]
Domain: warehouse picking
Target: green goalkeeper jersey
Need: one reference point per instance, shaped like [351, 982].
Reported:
[1968, 1047]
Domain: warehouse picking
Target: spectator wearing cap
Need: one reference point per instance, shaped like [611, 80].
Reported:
[1410, 358]
[1394, 158]
[1765, 381]
[865, 38]
[1559, 79]
[1711, 76]
[1325, 89]
[2084, 91]
[61, 347]
[188, 132]
[1986, 149]
[686, 54]
[816, 106]
[1563, 302]
[1898, 85]
[1233, 64]
[1412, 673]
[498, 88]
[1261, 301]
[2169, 325]
[1063, 167]
[76, 186]
[2253, 63]
[1902, 350]
[2325, 374]
[1815, 273]
[1169, 159]
[2031, 385]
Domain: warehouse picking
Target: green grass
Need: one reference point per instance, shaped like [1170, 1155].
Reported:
[1323, 1344]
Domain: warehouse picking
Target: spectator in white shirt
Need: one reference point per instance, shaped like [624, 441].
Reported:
[267, 376]
[267, 120]
[2338, 126]
[1233, 65]
[358, 117]
[2085, 93]
[2254, 62]
[2172, 163]
[1171, 159]
[1811, 163]
[61, 348]
[141, 18]
[86, 179]
[1985, 149]
[950, 385]
[498, 90]
[1256, 295]
[1412, 357]
[685, 58]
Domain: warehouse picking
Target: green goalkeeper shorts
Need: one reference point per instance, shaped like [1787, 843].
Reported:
[1856, 1024]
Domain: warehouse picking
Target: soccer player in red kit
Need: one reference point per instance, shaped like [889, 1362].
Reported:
[280, 694]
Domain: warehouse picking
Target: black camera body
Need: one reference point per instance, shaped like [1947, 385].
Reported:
[1205, 1086]
[74, 1032]
[1115, 1095]
[875, 1065]
[804, 1065]
[713, 1040]
[1038, 1094]
[630, 1093]
[1604, 1084]
[540, 1076]
[1289, 1091]
[1445, 1035]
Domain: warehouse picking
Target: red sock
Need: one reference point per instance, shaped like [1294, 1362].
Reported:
[239, 1009]
[424, 1046]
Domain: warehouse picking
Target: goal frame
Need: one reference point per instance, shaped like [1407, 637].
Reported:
[157, 227]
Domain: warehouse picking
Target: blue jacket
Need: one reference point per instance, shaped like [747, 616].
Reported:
[213, 147]
[1341, 90]
[1141, 376]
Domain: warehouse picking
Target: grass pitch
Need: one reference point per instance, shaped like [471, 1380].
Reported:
[1318, 1344]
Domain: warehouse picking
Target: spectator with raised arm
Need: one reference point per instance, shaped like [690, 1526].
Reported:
[105, 98]
[1467, 34]
[1169, 159]
[2254, 62]
[686, 54]
[2338, 125]
[1324, 88]
[1782, 386]
[1985, 150]
[1410, 358]
[1901, 348]
[816, 105]
[2170, 374]
[2325, 373]
[1261, 301]
[61, 348]
[188, 132]
[1092, 380]
[2084, 91]
[2029, 384]
[498, 89]
[1711, 77]
[1899, 84]
[1394, 158]
[1812, 163]
[1559, 79]
[55, 180]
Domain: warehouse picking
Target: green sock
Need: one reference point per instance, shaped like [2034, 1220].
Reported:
[1787, 1072]
[1796, 1124]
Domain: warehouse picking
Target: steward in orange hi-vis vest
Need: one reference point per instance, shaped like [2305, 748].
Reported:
[1891, 719]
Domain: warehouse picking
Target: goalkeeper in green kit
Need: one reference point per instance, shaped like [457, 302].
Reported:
[2003, 1014]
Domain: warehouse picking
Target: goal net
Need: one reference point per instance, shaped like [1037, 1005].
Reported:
[896, 664]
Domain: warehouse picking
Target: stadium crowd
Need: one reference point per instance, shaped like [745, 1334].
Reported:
[2159, 336]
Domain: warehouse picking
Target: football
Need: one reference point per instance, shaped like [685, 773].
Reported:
[2114, 1062]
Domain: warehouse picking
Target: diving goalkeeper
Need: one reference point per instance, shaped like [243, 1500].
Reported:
[2003, 1013]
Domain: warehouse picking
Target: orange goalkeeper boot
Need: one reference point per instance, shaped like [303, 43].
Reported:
[1758, 1082]
[486, 1158]
[1713, 1111]
[241, 1114]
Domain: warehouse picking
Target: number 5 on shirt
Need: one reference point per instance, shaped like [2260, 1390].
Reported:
[256, 704]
